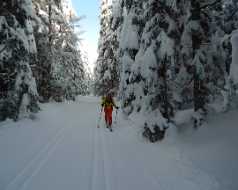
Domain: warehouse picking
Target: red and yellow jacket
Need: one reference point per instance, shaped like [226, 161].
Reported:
[108, 102]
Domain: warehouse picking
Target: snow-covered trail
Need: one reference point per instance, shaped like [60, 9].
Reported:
[64, 159]
[62, 149]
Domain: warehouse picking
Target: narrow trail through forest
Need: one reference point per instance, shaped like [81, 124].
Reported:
[68, 151]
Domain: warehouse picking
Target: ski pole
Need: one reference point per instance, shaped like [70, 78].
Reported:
[115, 121]
[99, 119]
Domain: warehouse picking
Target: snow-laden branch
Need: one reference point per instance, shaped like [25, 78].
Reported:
[7, 42]
[210, 4]
[232, 14]
[5, 47]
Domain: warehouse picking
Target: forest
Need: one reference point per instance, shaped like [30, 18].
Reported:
[157, 57]
[158, 110]
[39, 57]
[165, 56]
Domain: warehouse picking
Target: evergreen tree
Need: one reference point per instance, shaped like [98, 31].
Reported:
[150, 60]
[129, 39]
[18, 88]
[60, 70]
[106, 70]
[173, 54]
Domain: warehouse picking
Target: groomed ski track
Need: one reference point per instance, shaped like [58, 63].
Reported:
[68, 152]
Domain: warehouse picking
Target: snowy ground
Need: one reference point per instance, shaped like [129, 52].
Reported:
[62, 149]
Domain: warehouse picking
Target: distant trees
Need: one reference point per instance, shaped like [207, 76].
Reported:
[60, 68]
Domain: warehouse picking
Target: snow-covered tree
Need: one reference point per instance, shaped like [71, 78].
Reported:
[38, 41]
[148, 48]
[129, 39]
[18, 87]
[172, 54]
[60, 69]
[106, 70]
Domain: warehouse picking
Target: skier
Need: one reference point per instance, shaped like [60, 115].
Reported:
[108, 104]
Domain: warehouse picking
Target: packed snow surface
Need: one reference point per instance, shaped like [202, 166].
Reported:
[61, 148]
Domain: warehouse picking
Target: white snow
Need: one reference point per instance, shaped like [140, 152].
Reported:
[149, 58]
[166, 46]
[23, 110]
[68, 9]
[116, 9]
[27, 6]
[129, 35]
[107, 75]
[62, 149]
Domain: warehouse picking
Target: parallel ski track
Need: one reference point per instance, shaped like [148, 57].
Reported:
[100, 173]
[94, 160]
[21, 180]
[105, 162]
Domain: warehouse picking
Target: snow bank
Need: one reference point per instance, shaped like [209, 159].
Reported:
[183, 117]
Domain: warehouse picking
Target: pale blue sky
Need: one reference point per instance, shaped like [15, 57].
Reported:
[90, 9]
